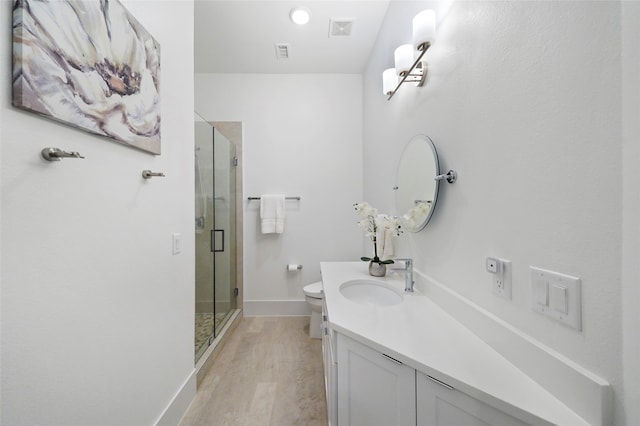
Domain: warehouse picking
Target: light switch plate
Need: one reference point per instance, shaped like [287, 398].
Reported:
[175, 244]
[563, 296]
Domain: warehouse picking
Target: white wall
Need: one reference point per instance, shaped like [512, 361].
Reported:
[524, 100]
[631, 208]
[302, 136]
[97, 315]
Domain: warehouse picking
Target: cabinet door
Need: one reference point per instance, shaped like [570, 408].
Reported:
[330, 369]
[373, 389]
[439, 405]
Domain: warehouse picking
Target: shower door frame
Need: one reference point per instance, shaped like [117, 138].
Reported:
[232, 240]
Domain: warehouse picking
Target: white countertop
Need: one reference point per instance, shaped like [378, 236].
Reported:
[423, 336]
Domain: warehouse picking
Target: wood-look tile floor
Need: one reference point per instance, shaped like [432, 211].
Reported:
[268, 373]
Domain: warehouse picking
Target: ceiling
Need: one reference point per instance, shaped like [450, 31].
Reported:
[239, 36]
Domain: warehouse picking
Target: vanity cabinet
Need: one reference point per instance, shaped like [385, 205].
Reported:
[373, 388]
[438, 404]
[478, 385]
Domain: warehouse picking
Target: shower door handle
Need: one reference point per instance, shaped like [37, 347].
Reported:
[213, 241]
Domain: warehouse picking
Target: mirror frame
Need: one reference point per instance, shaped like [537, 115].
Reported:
[429, 142]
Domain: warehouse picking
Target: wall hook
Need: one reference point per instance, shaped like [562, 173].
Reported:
[148, 174]
[55, 154]
[451, 176]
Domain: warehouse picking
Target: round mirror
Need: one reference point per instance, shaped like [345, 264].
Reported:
[416, 189]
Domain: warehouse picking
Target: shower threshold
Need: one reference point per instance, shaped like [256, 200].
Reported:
[228, 323]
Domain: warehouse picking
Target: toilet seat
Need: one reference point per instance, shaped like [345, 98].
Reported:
[314, 290]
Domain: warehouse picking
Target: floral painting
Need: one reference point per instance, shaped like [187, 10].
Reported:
[90, 64]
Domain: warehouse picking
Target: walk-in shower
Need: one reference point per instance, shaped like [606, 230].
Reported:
[216, 287]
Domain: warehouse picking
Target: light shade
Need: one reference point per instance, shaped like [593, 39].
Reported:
[424, 29]
[300, 15]
[389, 81]
[403, 56]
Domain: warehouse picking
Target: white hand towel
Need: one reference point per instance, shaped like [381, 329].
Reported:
[272, 213]
[384, 242]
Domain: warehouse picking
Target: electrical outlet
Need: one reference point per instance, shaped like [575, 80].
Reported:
[500, 273]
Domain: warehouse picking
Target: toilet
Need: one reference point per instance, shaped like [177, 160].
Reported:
[313, 294]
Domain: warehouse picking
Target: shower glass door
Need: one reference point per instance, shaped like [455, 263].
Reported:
[215, 263]
[223, 233]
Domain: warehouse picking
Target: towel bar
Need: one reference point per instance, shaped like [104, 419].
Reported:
[286, 198]
[148, 174]
[55, 154]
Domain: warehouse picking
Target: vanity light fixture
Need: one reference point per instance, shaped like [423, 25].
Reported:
[403, 58]
[300, 15]
[408, 69]
[424, 29]
[389, 80]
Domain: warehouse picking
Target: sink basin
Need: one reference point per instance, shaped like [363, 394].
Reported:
[372, 293]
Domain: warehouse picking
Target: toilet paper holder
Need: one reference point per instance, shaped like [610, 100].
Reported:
[293, 267]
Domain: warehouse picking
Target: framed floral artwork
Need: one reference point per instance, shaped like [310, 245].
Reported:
[88, 64]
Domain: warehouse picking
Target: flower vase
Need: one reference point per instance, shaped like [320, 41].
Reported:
[377, 269]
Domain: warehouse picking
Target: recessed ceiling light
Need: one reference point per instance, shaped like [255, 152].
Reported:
[300, 15]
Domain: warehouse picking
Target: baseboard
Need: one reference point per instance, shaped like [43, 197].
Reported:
[180, 402]
[588, 395]
[272, 308]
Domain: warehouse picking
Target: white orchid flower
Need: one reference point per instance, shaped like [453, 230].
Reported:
[364, 209]
[419, 212]
[379, 227]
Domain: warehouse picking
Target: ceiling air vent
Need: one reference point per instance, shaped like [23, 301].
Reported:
[340, 27]
[282, 50]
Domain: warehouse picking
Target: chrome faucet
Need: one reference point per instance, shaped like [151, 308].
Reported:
[408, 274]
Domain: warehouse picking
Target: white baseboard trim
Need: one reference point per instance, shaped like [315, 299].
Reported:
[588, 395]
[180, 402]
[275, 308]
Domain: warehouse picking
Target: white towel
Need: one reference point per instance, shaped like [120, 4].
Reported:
[272, 213]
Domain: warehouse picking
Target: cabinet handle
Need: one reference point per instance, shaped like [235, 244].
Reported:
[433, 379]
[392, 359]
